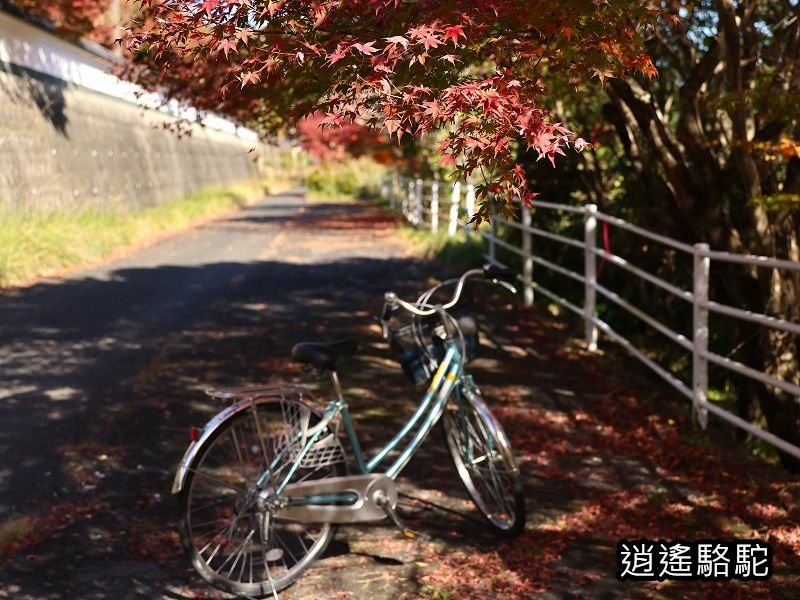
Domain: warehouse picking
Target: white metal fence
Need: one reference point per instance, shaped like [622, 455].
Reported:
[435, 204]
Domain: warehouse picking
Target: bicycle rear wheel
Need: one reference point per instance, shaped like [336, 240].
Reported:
[225, 522]
[485, 462]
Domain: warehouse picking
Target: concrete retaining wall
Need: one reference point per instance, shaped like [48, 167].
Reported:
[77, 145]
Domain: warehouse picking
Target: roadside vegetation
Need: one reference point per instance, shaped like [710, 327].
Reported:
[348, 179]
[40, 244]
[457, 252]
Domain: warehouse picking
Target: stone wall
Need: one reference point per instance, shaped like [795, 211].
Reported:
[66, 146]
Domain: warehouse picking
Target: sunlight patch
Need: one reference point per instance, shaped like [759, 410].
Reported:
[63, 393]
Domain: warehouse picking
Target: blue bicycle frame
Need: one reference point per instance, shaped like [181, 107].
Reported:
[448, 375]
[426, 415]
[428, 411]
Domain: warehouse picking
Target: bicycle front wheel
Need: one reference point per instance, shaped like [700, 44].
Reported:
[485, 462]
[226, 519]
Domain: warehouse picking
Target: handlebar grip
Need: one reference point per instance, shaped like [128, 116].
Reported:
[387, 311]
[491, 271]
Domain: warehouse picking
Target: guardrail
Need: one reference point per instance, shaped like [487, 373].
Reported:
[425, 204]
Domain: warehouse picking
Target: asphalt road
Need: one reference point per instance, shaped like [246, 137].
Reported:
[101, 377]
[69, 348]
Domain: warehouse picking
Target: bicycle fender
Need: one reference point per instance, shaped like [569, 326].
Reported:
[210, 427]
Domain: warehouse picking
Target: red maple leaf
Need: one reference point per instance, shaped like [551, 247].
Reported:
[432, 109]
[453, 33]
[337, 55]
[426, 36]
[226, 46]
[431, 41]
[379, 40]
[448, 160]
[368, 48]
[250, 77]
[209, 6]
[397, 39]
[244, 34]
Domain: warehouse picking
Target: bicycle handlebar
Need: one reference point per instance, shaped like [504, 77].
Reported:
[491, 272]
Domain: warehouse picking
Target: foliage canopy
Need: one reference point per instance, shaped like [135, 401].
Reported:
[478, 69]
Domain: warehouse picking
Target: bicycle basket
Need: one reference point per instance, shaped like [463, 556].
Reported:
[464, 316]
[326, 450]
[469, 332]
[417, 364]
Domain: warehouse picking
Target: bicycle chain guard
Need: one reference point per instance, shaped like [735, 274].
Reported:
[307, 500]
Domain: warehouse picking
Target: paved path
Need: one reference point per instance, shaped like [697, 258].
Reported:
[70, 348]
[101, 377]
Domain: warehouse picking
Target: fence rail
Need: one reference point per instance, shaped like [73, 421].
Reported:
[432, 203]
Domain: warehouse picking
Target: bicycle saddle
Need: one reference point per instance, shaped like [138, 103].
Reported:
[324, 355]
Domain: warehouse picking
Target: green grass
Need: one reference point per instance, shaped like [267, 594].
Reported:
[36, 244]
[458, 252]
[318, 197]
[346, 180]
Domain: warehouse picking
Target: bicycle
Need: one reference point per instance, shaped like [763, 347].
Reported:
[262, 488]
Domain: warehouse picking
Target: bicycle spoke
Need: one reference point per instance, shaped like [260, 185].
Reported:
[237, 553]
[252, 560]
[219, 481]
[229, 531]
[203, 524]
[285, 547]
[205, 507]
[213, 554]
[308, 475]
[485, 465]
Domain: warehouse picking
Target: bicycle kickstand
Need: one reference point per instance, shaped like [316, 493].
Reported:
[383, 501]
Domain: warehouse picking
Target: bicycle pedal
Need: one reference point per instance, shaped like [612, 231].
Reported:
[383, 501]
[417, 536]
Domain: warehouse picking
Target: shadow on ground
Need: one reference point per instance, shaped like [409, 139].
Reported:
[603, 457]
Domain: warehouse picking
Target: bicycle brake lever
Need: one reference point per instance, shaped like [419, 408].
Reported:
[506, 285]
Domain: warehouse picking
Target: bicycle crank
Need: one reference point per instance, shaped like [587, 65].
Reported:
[385, 503]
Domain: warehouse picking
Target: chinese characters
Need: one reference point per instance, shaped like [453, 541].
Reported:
[713, 560]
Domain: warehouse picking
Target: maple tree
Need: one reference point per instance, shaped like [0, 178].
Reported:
[707, 152]
[97, 20]
[352, 139]
[74, 17]
[476, 69]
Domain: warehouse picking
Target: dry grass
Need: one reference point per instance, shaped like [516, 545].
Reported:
[38, 244]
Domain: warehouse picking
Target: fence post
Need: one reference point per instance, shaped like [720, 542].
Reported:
[408, 199]
[435, 206]
[470, 205]
[386, 193]
[590, 273]
[702, 267]
[454, 200]
[493, 237]
[527, 257]
[418, 206]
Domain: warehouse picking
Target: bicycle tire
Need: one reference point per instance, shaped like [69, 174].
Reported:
[225, 500]
[484, 460]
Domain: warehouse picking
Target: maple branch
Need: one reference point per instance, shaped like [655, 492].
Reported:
[670, 49]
